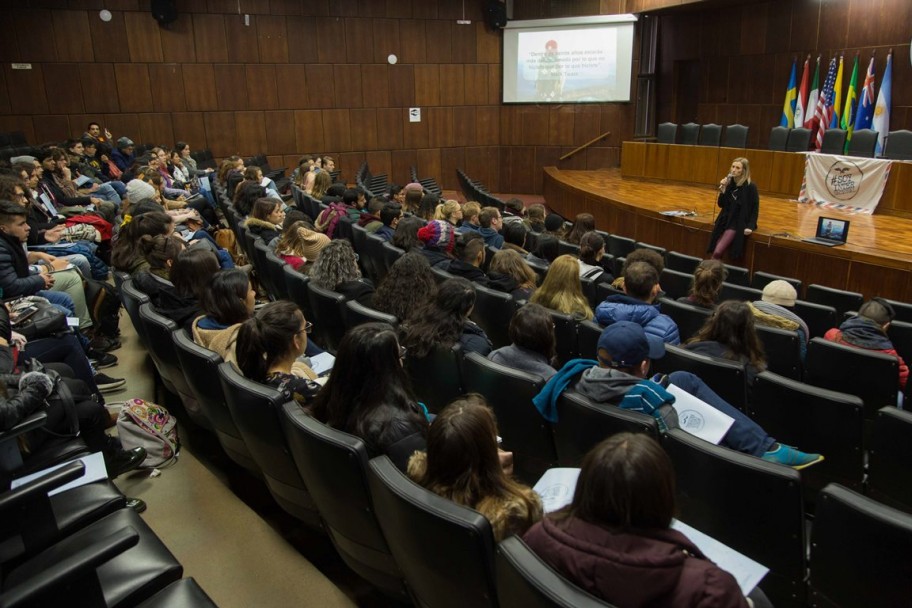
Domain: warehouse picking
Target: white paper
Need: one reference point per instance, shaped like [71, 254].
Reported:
[698, 418]
[72, 321]
[745, 570]
[94, 471]
[322, 364]
[556, 488]
[83, 180]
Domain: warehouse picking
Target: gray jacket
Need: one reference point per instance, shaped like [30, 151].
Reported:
[523, 359]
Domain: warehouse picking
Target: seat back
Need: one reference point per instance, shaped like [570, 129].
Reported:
[759, 280]
[710, 135]
[870, 375]
[863, 143]
[730, 291]
[565, 248]
[889, 455]
[374, 256]
[660, 250]
[688, 318]
[582, 424]
[157, 330]
[509, 393]
[275, 268]
[903, 310]
[779, 138]
[667, 133]
[737, 275]
[493, 311]
[690, 133]
[565, 328]
[296, 282]
[334, 466]
[328, 325]
[898, 145]
[620, 246]
[842, 301]
[260, 249]
[390, 253]
[344, 229]
[818, 317]
[524, 579]
[438, 373]
[798, 140]
[736, 136]
[751, 505]
[860, 552]
[354, 314]
[132, 299]
[675, 284]
[783, 350]
[725, 377]
[587, 337]
[834, 141]
[256, 410]
[681, 263]
[248, 240]
[462, 574]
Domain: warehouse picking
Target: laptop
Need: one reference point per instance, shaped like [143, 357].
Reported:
[830, 232]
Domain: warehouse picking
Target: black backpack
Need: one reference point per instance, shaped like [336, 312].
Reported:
[104, 307]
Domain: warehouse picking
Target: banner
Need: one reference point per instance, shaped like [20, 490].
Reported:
[849, 183]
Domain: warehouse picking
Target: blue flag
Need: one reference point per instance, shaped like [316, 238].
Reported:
[791, 99]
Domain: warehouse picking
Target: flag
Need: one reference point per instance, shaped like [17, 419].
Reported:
[865, 112]
[881, 122]
[801, 104]
[848, 111]
[825, 104]
[791, 95]
[836, 101]
[812, 99]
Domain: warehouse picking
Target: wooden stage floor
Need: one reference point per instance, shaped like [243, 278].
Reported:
[632, 207]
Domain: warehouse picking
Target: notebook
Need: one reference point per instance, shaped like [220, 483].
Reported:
[830, 232]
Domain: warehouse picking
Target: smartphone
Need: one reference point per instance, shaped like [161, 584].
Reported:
[17, 317]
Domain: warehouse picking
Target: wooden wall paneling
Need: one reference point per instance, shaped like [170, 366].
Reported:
[364, 130]
[242, 42]
[272, 39]
[167, 83]
[430, 165]
[330, 40]
[510, 125]
[522, 169]
[441, 130]
[302, 39]
[412, 37]
[337, 130]
[231, 86]
[804, 25]
[773, 258]
[177, 41]
[778, 23]
[209, 38]
[375, 85]
[320, 91]
[72, 36]
[633, 159]
[601, 158]
[787, 174]
[749, 115]
[290, 162]
[359, 41]
[309, 131]
[833, 28]
[762, 175]
[415, 134]
[656, 160]
[349, 163]
[487, 157]
[535, 125]
[823, 269]
[452, 85]
[450, 160]
[9, 45]
[262, 93]
[680, 163]
[133, 87]
[457, 10]
[157, 129]
[347, 83]
[19, 123]
[613, 117]
[402, 86]
[317, 8]
[27, 92]
[221, 133]
[291, 84]
[123, 5]
[191, 128]
[63, 87]
[561, 121]
[4, 96]
[385, 38]
[439, 41]
[653, 230]
[343, 8]
[280, 132]
[401, 163]
[143, 39]
[199, 86]
[277, 162]
[896, 195]
[464, 47]
[706, 161]
[34, 48]
[251, 133]
[487, 44]
[424, 9]
[487, 125]
[896, 26]
[389, 128]
[545, 156]
[369, 8]
[108, 39]
[427, 85]
[495, 84]
[122, 124]
[874, 280]
[464, 126]
[754, 21]
[51, 128]
[475, 84]
[397, 9]
[379, 162]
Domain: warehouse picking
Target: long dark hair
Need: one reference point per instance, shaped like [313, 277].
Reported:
[406, 235]
[584, 223]
[408, 287]
[732, 324]
[126, 250]
[440, 323]
[226, 295]
[267, 337]
[192, 270]
[160, 249]
[590, 244]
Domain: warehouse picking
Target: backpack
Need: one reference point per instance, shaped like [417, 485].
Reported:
[104, 307]
[143, 424]
[329, 218]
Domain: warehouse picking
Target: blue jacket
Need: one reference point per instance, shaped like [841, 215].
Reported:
[491, 237]
[624, 308]
[546, 400]
[120, 159]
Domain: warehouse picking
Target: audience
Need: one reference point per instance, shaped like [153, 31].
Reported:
[641, 288]
[390, 215]
[533, 342]
[408, 287]
[470, 255]
[336, 269]
[439, 238]
[450, 211]
[730, 334]
[491, 223]
[774, 310]
[510, 274]
[584, 223]
[406, 235]
[592, 254]
[179, 297]
[266, 218]
[299, 245]
[444, 322]
[228, 301]
[707, 284]
[562, 291]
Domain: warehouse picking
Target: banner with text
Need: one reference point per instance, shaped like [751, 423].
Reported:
[849, 183]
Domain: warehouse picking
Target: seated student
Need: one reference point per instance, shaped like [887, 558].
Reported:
[407, 287]
[515, 237]
[510, 274]
[390, 215]
[427, 207]
[584, 223]
[462, 464]
[641, 286]
[445, 321]
[547, 250]
[265, 220]
[268, 347]
[449, 211]
[126, 254]
[406, 235]
[533, 342]
[299, 245]
[470, 255]
[868, 330]
[514, 211]
[336, 269]
[554, 226]
[653, 258]
[730, 334]
[562, 291]
[707, 284]
[439, 238]
[411, 203]
[354, 203]
[491, 223]
[160, 252]
[535, 218]
[615, 539]
[228, 301]
[178, 298]
[245, 195]
[592, 255]
[470, 222]
[370, 219]
[369, 395]
[773, 310]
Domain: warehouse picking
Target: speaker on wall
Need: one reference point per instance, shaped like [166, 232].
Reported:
[495, 14]
[164, 11]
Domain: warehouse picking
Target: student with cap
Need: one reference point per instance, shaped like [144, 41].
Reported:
[554, 225]
[438, 237]
[774, 310]
[123, 155]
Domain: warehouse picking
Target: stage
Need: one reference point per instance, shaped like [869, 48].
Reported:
[876, 261]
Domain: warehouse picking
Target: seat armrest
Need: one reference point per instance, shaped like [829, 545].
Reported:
[41, 486]
[29, 423]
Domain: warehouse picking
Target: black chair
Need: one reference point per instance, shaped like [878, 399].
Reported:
[890, 450]
[903, 310]
[161, 348]
[132, 299]
[859, 551]
[870, 375]
[409, 515]
[256, 409]
[736, 136]
[675, 284]
[565, 248]
[834, 141]
[200, 367]
[334, 465]
[817, 420]
[783, 350]
[354, 314]
[509, 393]
[275, 268]
[620, 246]
[760, 279]
[688, 318]
[590, 291]
[681, 263]
[437, 373]
[730, 291]
[492, 311]
[710, 135]
[605, 290]
[778, 138]
[390, 253]
[737, 275]
[119, 278]
[863, 143]
[248, 240]
[185, 593]
[842, 301]
[328, 326]
[667, 133]
[690, 133]
[898, 145]
[799, 140]
[565, 328]
[344, 229]
[582, 424]
[375, 257]
[725, 377]
[524, 579]
[441, 275]
[751, 505]
[819, 318]
[587, 337]
[260, 249]
[660, 250]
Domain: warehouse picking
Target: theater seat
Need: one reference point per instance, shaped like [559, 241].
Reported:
[185, 593]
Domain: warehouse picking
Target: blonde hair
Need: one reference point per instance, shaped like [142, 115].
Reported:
[291, 242]
[562, 290]
[446, 210]
[510, 263]
[470, 210]
[746, 173]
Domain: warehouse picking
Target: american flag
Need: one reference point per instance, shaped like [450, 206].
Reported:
[824, 112]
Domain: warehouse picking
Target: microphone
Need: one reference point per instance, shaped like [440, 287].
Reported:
[728, 179]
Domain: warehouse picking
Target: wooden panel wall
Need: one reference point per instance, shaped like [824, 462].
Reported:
[303, 76]
[745, 53]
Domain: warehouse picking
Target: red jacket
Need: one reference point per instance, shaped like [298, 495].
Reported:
[865, 333]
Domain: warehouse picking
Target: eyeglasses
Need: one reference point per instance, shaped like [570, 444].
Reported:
[308, 327]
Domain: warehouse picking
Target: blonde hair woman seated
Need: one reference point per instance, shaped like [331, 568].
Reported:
[562, 291]
[449, 211]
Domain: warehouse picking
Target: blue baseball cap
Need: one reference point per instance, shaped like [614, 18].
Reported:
[628, 344]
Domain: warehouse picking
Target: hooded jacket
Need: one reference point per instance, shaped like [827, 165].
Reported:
[263, 229]
[222, 341]
[624, 308]
[15, 279]
[474, 339]
[865, 333]
[634, 568]
[467, 271]
[491, 237]
[166, 300]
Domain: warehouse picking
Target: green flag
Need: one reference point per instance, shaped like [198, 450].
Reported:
[851, 104]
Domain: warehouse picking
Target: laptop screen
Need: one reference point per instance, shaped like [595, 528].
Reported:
[832, 229]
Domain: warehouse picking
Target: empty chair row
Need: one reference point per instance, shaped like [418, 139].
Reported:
[693, 134]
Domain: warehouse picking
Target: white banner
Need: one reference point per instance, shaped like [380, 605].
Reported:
[849, 183]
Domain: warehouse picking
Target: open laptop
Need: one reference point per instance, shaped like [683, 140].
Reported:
[830, 232]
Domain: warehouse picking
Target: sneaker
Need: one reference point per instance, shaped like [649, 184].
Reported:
[137, 504]
[104, 344]
[101, 360]
[123, 461]
[791, 457]
[106, 383]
